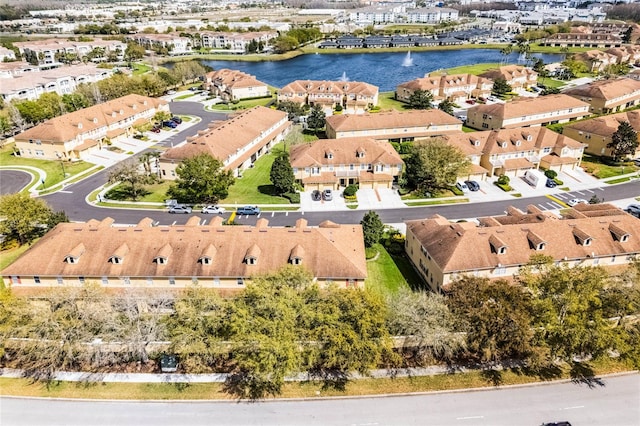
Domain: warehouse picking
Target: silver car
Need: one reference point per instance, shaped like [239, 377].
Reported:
[211, 209]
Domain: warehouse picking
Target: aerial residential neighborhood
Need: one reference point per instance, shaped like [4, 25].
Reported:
[257, 200]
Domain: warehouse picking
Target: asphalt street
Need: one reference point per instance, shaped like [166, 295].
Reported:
[12, 181]
[611, 401]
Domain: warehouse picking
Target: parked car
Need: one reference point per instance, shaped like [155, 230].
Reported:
[327, 194]
[170, 123]
[636, 161]
[576, 201]
[171, 92]
[213, 210]
[551, 183]
[472, 185]
[176, 119]
[462, 186]
[316, 195]
[471, 101]
[557, 424]
[155, 129]
[634, 209]
[180, 208]
[249, 210]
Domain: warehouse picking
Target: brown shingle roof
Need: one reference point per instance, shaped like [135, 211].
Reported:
[605, 89]
[390, 120]
[531, 106]
[607, 125]
[329, 252]
[344, 151]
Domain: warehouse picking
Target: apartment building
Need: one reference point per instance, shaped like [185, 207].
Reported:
[232, 85]
[525, 112]
[517, 76]
[44, 52]
[596, 133]
[179, 256]
[607, 96]
[29, 85]
[174, 43]
[393, 126]
[431, 15]
[234, 42]
[512, 152]
[626, 54]
[354, 96]
[596, 41]
[457, 87]
[71, 136]
[499, 246]
[335, 163]
[598, 61]
[237, 142]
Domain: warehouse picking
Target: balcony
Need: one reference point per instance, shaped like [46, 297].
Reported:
[347, 173]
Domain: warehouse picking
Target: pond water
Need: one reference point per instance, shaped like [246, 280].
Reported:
[385, 70]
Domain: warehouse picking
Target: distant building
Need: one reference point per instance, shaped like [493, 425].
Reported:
[232, 85]
[7, 54]
[517, 76]
[589, 235]
[393, 126]
[601, 41]
[47, 51]
[607, 96]
[596, 133]
[598, 61]
[235, 42]
[71, 136]
[332, 163]
[525, 112]
[237, 142]
[431, 15]
[174, 43]
[179, 256]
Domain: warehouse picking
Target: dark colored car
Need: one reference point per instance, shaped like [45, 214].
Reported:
[551, 183]
[179, 208]
[316, 195]
[557, 424]
[249, 210]
[472, 185]
[170, 123]
[176, 119]
[155, 129]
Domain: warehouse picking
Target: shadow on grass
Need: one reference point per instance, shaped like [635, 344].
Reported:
[583, 373]
[124, 193]
[492, 376]
[267, 190]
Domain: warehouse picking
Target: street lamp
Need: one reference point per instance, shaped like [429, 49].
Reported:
[61, 164]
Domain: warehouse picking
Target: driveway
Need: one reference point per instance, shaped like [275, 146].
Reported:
[381, 198]
[307, 204]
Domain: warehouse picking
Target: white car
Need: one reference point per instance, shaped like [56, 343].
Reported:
[213, 210]
[576, 201]
[462, 187]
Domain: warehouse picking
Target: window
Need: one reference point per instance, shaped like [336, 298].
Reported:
[115, 260]
[105, 281]
[251, 261]
[126, 280]
[485, 126]
[596, 261]
[15, 279]
[60, 280]
[194, 280]
[161, 260]
[81, 280]
[296, 261]
[240, 281]
[502, 250]
[216, 281]
[149, 280]
[500, 270]
[540, 246]
[172, 281]
[36, 280]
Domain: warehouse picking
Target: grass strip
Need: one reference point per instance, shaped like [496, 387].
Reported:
[619, 180]
[436, 202]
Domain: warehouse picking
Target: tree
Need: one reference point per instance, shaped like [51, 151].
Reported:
[447, 106]
[434, 165]
[495, 317]
[75, 101]
[624, 141]
[128, 172]
[317, 118]
[188, 71]
[427, 324]
[23, 216]
[133, 52]
[284, 43]
[148, 160]
[372, 228]
[501, 87]
[294, 109]
[568, 316]
[5, 126]
[201, 179]
[549, 91]
[281, 174]
[421, 99]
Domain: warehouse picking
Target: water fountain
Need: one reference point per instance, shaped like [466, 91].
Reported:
[408, 60]
[344, 76]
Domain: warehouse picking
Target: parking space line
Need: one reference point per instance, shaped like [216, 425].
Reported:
[273, 214]
[562, 195]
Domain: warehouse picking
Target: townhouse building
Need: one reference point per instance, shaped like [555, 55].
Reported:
[16, 69]
[175, 44]
[596, 133]
[607, 96]
[597, 41]
[335, 163]
[457, 87]
[497, 247]
[393, 126]
[179, 256]
[354, 96]
[232, 85]
[512, 152]
[29, 85]
[626, 54]
[517, 76]
[74, 135]
[45, 52]
[237, 142]
[598, 61]
[527, 112]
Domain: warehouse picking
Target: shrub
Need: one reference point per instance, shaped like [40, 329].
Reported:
[338, 108]
[505, 187]
[350, 191]
[293, 197]
[396, 146]
[558, 181]
[370, 252]
[551, 174]
[405, 147]
[504, 180]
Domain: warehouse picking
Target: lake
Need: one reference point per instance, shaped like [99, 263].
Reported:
[385, 70]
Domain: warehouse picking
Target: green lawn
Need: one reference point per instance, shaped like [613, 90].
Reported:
[550, 82]
[188, 95]
[157, 192]
[594, 165]
[140, 68]
[385, 275]
[246, 104]
[7, 256]
[53, 169]
[255, 185]
[469, 69]
[387, 102]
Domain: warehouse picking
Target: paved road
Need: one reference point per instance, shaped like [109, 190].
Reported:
[12, 181]
[613, 402]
